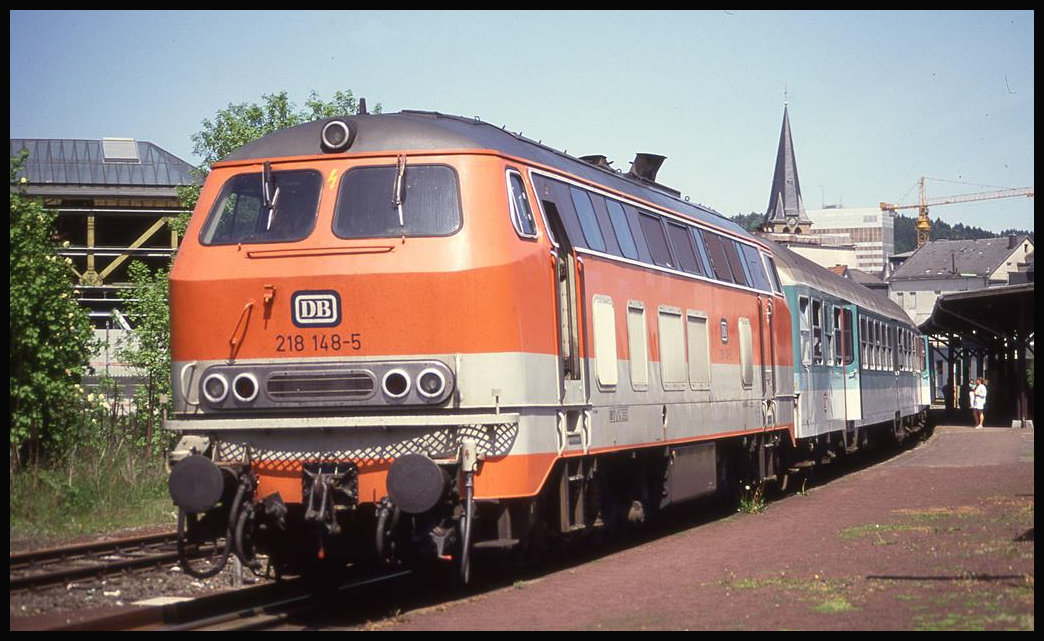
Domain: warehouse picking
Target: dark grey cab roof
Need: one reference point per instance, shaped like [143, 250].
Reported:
[420, 130]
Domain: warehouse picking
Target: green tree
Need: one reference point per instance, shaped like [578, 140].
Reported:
[238, 124]
[148, 347]
[51, 335]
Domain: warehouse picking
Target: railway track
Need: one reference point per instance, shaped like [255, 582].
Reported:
[259, 607]
[55, 566]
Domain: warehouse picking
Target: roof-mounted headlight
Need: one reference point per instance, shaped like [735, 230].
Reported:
[337, 136]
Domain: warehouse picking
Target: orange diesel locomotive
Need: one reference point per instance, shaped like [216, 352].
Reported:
[407, 334]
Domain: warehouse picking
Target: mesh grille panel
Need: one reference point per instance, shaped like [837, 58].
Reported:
[493, 441]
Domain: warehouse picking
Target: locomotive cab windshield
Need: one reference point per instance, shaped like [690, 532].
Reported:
[264, 207]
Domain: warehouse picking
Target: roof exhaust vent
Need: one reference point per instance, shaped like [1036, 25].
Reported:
[645, 166]
[597, 161]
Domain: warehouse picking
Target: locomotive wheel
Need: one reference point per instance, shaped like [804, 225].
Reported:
[199, 556]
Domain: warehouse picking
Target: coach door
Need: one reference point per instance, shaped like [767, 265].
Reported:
[925, 364]
[850, 356]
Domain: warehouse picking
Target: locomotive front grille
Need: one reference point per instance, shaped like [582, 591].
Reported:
[296, 386]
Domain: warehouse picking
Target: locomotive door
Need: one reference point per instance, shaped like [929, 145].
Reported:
[569, 292]
[851, 358]
[767, 335]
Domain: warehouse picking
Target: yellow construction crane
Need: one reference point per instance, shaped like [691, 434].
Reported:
[924, 224]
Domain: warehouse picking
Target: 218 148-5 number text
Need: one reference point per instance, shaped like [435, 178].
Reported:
[318, 342]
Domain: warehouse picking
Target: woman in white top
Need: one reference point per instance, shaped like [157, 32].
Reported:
[979, 403]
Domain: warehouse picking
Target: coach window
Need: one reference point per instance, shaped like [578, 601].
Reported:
[817, 332]
[604, 321]
[621, 230]
[679, 237]
[849, 347]
[828, 335]
[864, 343]
[803, 320]
[840, 350]
[699, 351]
[638, 346]
[521, 212]
[242, 214]
[427, 203]
[877, 344]
[893, 346]
[719, 260]
[588, 220]
[652, 229]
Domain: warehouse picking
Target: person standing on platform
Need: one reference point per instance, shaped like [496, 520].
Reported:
[979, 403]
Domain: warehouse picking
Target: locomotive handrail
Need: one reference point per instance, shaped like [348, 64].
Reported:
[303, 252]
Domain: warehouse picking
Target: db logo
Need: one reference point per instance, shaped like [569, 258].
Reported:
[316, 308]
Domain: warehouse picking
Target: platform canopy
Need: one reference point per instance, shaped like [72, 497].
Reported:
[997, 324]
[991, 317]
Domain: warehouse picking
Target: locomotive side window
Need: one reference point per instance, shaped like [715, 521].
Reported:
[732, 254]
[652, 229]
[605, 224]
[621, 230]
[701, 250]
[558, 205]
[427, 203]
[588, 220]
[638, 346]
[635, 225]
[752, 260]
[243, 214]
[521, 212]
[773, 274]
[683, 248]
[719, 261]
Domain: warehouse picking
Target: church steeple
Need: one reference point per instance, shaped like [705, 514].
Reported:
[786, 211]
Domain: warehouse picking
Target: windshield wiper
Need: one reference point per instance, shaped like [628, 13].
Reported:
[397, 188]
[269, 197]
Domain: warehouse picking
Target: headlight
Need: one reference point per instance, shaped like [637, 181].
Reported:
[431, 383]
[396, 383]
[215, 388]
[245, 387]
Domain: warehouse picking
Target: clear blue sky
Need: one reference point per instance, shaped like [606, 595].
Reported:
[877, 99]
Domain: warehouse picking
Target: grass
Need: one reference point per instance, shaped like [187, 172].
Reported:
[89, 494]
[825, 595]
[752, 499]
